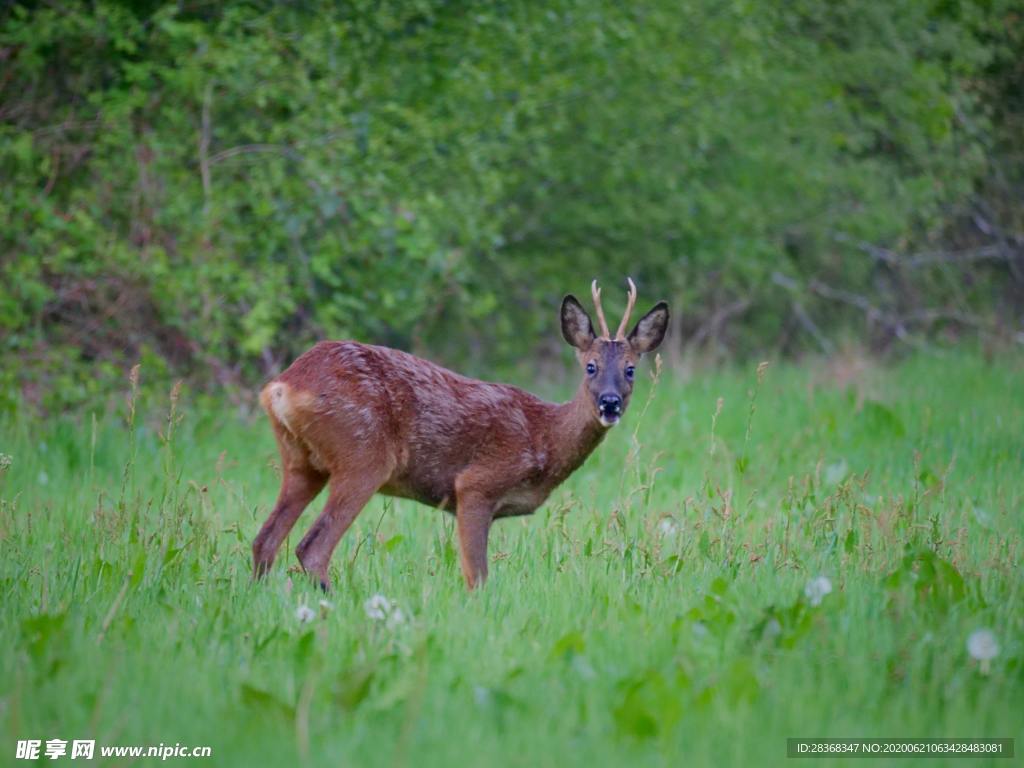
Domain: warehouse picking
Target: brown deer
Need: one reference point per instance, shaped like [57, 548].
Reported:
[364, 419]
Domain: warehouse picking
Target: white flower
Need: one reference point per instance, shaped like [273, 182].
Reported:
[395, 619]
[834, 473]
[982, 646]
[582, 667]
[304, 614]
[816, 589]
[482, 695]
[377, 607]
[668, 527]
[772, 629]
[983, 516]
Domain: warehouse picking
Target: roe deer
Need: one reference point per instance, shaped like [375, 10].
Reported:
[364, 419]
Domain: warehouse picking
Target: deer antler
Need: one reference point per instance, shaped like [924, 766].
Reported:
[620, 335]
[596, 293]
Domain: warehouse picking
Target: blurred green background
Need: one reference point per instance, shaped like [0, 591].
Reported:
[210, 187]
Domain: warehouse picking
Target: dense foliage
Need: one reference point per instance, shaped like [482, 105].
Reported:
[209, 187]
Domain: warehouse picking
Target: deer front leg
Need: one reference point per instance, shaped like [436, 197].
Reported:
[473, 515]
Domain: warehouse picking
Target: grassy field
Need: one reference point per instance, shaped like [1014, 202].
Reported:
[665, 607]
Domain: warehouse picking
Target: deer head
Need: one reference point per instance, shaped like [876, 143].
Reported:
[609, 364]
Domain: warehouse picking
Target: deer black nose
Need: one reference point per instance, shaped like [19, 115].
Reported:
[610, 403]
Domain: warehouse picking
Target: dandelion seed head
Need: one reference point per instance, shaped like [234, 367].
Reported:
[982, 645]
[377, 607]
[395, 619]
[482, 695]
[304, 614]
[835, 473]
[816, 589]
[582, 667]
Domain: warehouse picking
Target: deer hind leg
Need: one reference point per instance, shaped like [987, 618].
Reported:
[299, 486]
[347, 498]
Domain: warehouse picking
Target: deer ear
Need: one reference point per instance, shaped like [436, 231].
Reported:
[576, 327]
[649, 332]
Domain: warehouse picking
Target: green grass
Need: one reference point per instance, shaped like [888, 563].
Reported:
[652, 613]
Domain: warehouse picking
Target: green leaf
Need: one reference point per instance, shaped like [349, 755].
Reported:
[881, 420]
[353, 686]
[569, 644]
[138, 566]
[266, 703]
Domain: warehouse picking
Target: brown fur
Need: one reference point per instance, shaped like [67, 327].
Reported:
[364, 419]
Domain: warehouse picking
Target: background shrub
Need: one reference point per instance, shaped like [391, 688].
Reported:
[212, 187]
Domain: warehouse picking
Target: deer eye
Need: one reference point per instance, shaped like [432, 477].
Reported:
[591, 369]
[630, 371]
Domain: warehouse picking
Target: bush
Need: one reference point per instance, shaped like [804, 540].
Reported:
[216, 187]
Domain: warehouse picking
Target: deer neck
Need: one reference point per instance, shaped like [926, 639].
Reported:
[575, 433]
